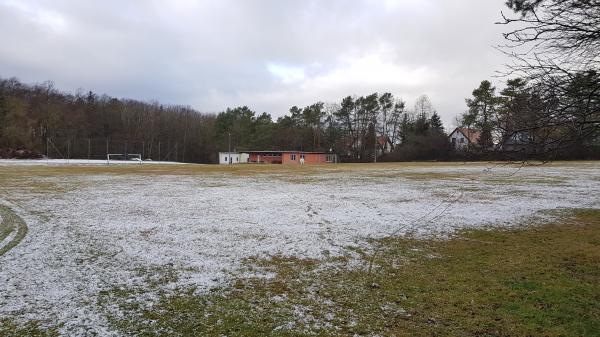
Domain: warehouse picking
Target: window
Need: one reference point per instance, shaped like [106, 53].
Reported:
[453, 141]
[293, 156]
[462, 140]
[301, 156]
[237, 159]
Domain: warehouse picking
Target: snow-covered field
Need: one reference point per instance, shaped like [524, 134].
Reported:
[91, 231]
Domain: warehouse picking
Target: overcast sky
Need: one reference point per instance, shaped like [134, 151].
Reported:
[267, 54]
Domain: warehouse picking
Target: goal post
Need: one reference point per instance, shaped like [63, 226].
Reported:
[123, 157]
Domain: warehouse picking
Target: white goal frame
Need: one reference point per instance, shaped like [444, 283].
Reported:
[126, 155]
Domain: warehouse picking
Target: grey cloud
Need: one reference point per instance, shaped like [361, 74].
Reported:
[215, 54]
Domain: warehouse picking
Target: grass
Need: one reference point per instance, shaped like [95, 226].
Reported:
[10, 223]
[413, 171]
[9, 328]
[241, 170]
[538, 281]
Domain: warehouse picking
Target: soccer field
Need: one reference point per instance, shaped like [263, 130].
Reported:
[92, 230]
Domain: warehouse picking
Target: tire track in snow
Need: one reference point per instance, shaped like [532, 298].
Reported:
[15, 225]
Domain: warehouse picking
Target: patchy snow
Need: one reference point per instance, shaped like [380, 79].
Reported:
[104, 231]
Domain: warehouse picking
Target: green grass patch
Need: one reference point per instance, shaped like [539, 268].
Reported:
[9, 328]
[538, 281]
[10, 223]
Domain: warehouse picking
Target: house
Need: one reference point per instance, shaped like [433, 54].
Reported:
[520, 141]
[385, 146]
[464, 138]
[232, 158]
[291, 157]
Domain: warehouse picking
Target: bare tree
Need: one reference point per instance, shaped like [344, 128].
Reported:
[555, 47]
[423, 107]
[559, 35]
[395, 122]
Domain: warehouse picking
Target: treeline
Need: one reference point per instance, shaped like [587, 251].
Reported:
[530, 120]
[357, 128]
[526, 119]
[41, 118]
[554, 109]
[522, 121]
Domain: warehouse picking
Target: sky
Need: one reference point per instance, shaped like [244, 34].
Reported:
[266, 54]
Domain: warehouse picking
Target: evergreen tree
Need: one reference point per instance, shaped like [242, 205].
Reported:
[421, 125]
[2, 115]
[406, 128]
[435, 123]
[482, 109]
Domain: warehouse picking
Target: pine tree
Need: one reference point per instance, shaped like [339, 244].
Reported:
[482, 108]
[2, 115]
[435, 123]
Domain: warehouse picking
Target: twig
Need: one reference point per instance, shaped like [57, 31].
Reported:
[394, 233]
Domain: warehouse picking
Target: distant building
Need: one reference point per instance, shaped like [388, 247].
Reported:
[522, 141]
[385, 146]
[464, 138]
[291, 157]
[232, 158]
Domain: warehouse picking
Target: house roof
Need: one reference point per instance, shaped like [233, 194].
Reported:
[519, 138]
[286, 152]
[471, 134]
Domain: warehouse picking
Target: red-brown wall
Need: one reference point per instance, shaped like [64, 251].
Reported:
[309, 158]
[286, 158]
[267, 159]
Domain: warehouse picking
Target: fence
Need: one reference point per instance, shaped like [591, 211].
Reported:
[99, 148]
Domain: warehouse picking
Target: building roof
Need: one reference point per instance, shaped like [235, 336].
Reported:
[287, 152]
[471, 134]
[519, 138]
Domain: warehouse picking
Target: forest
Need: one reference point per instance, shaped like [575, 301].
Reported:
[43, 120]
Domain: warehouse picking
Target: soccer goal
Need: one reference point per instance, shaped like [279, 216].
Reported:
[123, 157]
